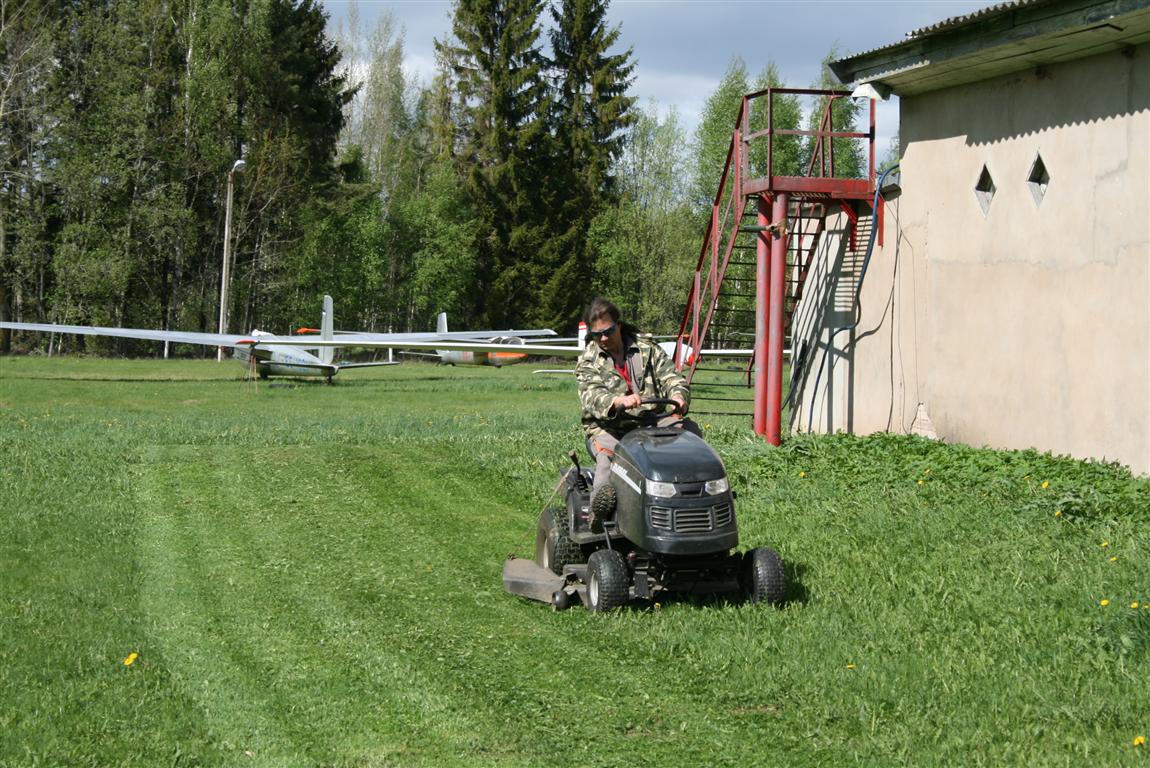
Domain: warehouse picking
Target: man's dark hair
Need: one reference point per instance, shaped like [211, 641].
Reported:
[600, 307]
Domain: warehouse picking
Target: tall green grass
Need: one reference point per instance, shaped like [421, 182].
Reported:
[310, 575]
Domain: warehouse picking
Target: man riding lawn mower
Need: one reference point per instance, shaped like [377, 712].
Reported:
[657, 514]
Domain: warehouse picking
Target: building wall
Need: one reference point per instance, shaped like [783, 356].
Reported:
[1027, 325]
[822, 329]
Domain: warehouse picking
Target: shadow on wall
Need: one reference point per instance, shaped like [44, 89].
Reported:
[822, 332]
[1079, 92]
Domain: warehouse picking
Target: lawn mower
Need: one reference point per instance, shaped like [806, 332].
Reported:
[673, 530]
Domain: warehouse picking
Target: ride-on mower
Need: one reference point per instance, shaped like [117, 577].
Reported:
[673, 531]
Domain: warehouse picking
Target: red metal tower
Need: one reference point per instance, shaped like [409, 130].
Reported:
[789, 214]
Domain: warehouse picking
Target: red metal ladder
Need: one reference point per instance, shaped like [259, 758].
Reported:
[781, 220]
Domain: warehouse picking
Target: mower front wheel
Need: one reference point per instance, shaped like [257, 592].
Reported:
[766, 578]
[607, 580]
[553, 545]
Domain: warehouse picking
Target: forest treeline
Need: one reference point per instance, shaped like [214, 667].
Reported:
[520, 182]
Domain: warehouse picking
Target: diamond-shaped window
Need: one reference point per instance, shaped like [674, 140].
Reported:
[1038, 180]
[984, 190]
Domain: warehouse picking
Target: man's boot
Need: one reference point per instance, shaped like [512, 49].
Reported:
[602, 506]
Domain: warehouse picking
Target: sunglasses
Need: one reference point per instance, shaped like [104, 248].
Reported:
[595, 335]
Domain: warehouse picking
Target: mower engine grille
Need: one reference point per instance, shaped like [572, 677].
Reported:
[693, 520]
[661, 518]
[722, 515]
[698, 520]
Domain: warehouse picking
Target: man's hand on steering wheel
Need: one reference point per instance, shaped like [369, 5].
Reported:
[626, 402]
[678, 407]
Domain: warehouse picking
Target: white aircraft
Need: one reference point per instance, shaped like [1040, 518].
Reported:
[474, 350]
[473, 346]
[495, 358]
[270, 355]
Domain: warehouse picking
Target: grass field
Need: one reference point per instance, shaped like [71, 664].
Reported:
[309, 575]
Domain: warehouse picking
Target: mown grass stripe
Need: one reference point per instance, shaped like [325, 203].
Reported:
[274, 627]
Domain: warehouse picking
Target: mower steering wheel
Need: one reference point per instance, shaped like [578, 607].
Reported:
[676, 406]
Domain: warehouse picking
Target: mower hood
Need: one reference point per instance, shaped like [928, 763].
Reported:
[671, 455]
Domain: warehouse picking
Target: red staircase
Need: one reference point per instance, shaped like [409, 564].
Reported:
[764, 232]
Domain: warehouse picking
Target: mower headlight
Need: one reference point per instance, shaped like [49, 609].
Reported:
[715, 487]
[655, 488]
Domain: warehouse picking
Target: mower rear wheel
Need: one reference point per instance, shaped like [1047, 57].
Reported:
[607, 580]
[766, 578]
[553, 546]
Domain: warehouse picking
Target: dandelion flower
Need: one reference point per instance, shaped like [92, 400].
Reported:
[1104, 544]
[1058, 513]
[1134, 604]
[1104, 602]
[920, 482]
[1114, 559]
[131, 659]
[1139, 741]
[802, 474]
[850, 666]
[1045, 483]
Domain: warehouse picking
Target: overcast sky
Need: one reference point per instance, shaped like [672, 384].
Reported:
[683, 47]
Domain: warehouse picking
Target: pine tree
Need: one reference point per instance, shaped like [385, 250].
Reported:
[297, 86]
[591, 112]
[592, 108]
[503, 147]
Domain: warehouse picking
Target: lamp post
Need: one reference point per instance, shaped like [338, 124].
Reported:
[237, 167]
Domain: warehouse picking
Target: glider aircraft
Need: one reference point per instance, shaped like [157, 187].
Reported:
[473, 345]
[307, 355]
[475, 349]
[496, 358]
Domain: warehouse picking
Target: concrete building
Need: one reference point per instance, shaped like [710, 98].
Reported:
[1010, 303]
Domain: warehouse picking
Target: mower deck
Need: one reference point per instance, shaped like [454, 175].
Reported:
[527, 578]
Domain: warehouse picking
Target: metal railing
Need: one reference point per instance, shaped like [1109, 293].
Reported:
[744, 191]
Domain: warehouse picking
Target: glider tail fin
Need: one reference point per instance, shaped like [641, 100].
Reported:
[327, 331]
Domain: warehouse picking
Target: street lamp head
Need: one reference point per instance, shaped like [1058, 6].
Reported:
[239, 166]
